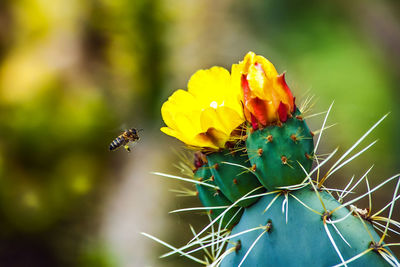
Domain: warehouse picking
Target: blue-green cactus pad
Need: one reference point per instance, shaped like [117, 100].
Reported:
[302, 240]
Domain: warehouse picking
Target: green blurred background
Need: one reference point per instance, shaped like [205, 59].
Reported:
[73, 74]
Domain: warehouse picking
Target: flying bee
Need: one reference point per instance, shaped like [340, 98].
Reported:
[123, 139]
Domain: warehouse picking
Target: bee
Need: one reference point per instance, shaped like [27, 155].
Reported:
[130, 135]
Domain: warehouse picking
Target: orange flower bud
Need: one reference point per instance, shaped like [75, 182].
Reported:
[266, 97]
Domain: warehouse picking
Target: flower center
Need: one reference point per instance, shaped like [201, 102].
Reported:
[214, 104]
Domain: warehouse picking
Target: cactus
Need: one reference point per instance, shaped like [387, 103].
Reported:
[233, 180]
[276, 152]
[271, 207]
[303, 232]
[211, 196]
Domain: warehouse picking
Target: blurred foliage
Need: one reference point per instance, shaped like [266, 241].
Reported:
[97, 255]
[135, 52]
[71, 73]
[64, 70]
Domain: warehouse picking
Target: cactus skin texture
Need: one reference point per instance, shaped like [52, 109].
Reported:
[211, 197]
[275, 152]
[234, 181]
[302, 241]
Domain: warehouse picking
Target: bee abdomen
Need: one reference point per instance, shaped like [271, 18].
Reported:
[116, 143]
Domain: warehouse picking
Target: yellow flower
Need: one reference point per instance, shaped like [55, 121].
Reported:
[205, 115]
[266, 97]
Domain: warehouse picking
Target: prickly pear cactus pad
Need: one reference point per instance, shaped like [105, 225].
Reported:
[255, 167]
[278, 152]
[234, 181]
[212, 197]
[302, 231]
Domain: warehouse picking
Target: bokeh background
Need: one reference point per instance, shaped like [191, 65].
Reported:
[74, 73]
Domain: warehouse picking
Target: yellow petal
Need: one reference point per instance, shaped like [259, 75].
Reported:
[178, 108]
[183, 100]
[257, 82]
[209, 84]
[267, 67]
[204, 140]
[170, 132]
[219, 138]
[249, 59]
[212, 88]
[230, 118]
[188, 124]
[209, 119]
[219, 123]
[198, 140]
[223, 119]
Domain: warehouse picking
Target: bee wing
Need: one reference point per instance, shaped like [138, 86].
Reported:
[123, 127]
[132, 144]
[118, 128]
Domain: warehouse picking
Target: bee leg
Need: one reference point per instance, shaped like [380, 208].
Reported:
[127, 148]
